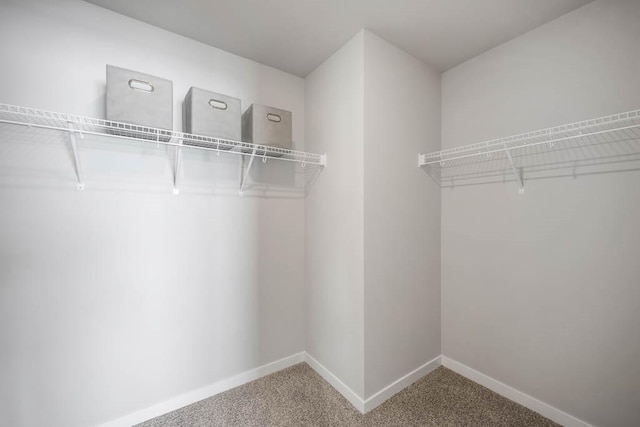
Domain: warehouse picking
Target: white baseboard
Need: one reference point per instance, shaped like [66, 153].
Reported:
[517, 396]
[329, 377]
[359, 403]
[381, 396]
[401, 383]
[205, 392]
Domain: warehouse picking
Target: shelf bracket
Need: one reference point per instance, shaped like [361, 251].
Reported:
[321, 165]
[308, 186]
[76, 160]
[176, 169]
[517, 172]
[244, 177]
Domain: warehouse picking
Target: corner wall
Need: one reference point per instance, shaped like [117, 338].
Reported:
[401, 214]
[540, 291]
[334, 215]
[373, 219]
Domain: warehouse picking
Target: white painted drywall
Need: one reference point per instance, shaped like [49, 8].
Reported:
[401, 214]
[124, 295]
[373, 221]
[540, 291]
[334, 216]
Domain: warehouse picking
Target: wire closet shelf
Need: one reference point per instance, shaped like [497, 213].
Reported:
[87, 125]
[609, 139]
[79, 126]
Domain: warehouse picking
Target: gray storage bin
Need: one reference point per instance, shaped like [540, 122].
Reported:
[267, 126]
[139, 99]
[211, 114]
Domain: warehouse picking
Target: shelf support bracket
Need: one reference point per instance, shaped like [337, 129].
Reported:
[317, 173]
[320, 168]
[243, 182]
[76, 160]
[176, 170]
[517, 172]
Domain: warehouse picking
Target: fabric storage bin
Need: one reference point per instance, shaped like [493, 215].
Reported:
[139, 99]
[211, 114]
[267, 126]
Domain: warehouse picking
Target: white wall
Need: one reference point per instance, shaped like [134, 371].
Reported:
[540, 291]
[373, 221]
[124, 295]
[401, 214]
[334, 216]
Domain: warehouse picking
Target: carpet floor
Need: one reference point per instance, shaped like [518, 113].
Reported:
[298, 396]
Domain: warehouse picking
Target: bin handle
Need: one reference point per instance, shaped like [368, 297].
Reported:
[217, 104]
[140, 85]
[274, 117]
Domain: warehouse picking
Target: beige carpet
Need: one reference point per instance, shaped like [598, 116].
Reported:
[298, 396]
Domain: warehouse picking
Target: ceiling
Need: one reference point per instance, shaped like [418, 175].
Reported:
[298, 35]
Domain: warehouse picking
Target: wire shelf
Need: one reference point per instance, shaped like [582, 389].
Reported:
[78, 126]
[609, 140]
[87, 125]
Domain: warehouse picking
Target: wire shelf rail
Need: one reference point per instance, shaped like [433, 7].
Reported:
[79, 126]
[613, 138]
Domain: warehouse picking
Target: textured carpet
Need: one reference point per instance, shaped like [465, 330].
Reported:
[298, 396]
